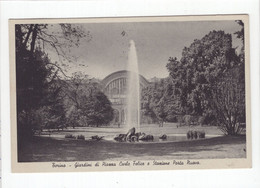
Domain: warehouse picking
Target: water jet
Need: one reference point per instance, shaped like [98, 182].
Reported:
[133, 90]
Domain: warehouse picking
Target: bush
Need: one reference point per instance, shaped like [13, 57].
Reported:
[195, 134]
[70, 136]
[201, 134]
[189, 135]
[81, 137]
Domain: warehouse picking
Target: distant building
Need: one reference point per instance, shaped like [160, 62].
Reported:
[114, 86]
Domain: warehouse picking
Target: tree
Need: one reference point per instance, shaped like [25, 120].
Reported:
[57, 37]
[159, 101]
[76, 87]
[37, 76]
[31, 87]
[97, 108]
[86, 104]
[229, 94]
[240, 34]
[229, 102]
[200, 65]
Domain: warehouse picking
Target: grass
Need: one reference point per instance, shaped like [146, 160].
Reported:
[45, 149]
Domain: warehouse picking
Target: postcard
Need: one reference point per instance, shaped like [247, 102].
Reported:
[130, 93]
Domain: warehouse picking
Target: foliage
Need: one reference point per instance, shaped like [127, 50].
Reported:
[192, 134]
[57, 37]
[229, 102]
[240, 34]
[70, 136]
[81, 137]
[86, 104]
[37, 93]
[39, 99]
[229, 94]
[97, 108]
[200, 65]
[159, 102]
[209, 81]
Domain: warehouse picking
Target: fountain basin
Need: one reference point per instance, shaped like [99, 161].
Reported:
[110, 138]
[156, 139]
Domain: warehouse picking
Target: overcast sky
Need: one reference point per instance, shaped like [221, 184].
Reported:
[107, 50]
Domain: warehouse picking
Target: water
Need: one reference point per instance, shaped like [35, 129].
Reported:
[133, 90]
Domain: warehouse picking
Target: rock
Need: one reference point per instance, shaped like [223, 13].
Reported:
[134, 138]
[96, 137]
[149, 137]
[120, 138]
[146, 138]
[163, 137]
[130, 133]
[142, 136]
[138, 134]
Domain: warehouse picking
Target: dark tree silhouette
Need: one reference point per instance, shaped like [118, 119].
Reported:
[37, 85]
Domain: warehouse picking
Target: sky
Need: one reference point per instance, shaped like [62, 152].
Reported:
[105, 49]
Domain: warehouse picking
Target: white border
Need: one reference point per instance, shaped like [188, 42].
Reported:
[206, 163]
[183, 178]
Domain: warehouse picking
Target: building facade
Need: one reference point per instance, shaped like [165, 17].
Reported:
[115, 88]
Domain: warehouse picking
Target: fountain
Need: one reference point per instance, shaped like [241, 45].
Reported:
[132, 127]
[133, 90]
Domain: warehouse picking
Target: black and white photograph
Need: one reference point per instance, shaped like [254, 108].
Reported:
[130, 93]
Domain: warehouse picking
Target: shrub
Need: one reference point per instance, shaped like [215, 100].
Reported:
[189, 135]
[201, 134]
[195, 134]
[81, 137]
[70, 136]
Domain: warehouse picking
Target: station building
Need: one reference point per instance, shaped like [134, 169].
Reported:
[115, 88]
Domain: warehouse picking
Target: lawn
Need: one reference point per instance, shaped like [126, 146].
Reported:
[56, 148]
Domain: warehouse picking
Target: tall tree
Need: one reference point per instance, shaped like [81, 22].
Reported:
[200, 65]
[229, 94]
[35, 89]
[36, 74]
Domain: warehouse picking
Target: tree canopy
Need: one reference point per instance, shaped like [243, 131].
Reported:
[200, 65]
[159, 101]
[209, 80]
[86, 104]
[43, 96]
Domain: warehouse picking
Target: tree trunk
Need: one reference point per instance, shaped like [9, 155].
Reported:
[28, 36]
[34, 35]
[18, 35]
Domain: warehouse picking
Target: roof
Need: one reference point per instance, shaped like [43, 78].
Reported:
[120, 74]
